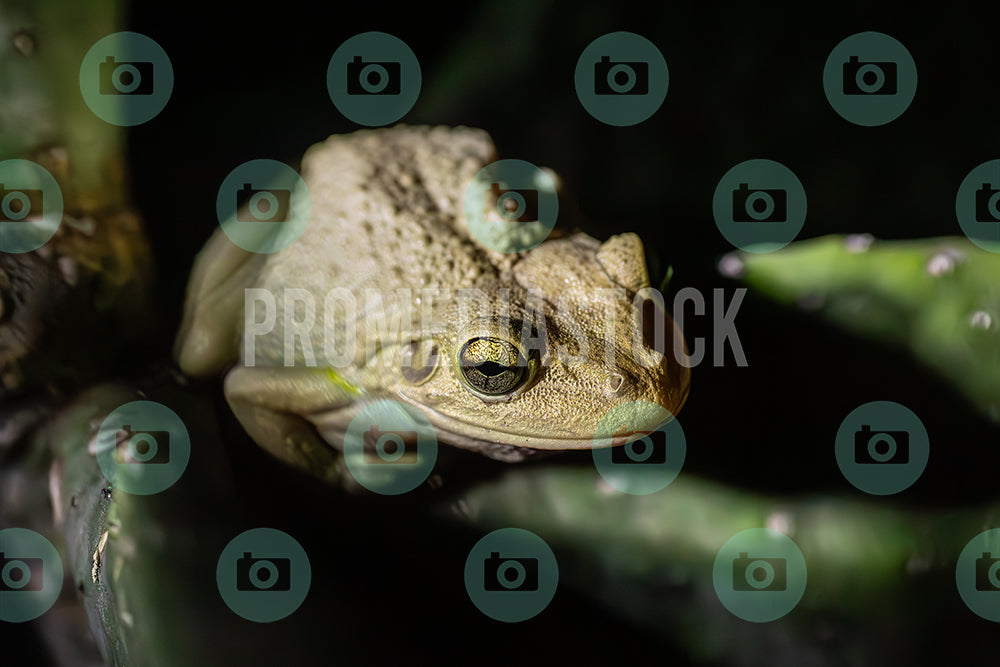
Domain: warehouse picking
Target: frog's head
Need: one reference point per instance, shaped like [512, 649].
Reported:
[581, 335]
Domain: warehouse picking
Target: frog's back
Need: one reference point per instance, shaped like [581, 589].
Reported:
[387, 212]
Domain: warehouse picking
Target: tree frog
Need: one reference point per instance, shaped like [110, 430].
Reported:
[388, 294]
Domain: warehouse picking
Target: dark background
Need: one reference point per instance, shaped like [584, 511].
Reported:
[745, 82]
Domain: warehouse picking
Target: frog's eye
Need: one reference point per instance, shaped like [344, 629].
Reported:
[492, 366]
[418, 361]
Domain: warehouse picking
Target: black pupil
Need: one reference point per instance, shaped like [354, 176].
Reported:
[491, 368]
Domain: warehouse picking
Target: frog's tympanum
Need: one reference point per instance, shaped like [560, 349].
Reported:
[388, 295]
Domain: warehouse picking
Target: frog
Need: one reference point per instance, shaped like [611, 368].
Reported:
[557, 335]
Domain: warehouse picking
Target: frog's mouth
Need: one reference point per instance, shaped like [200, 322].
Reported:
[473, 436]
[506, 451]
[508, 446]
[494, 443]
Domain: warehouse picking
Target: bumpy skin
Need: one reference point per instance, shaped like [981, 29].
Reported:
[387, 213]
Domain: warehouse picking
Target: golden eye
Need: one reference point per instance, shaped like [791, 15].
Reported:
[418, 361]
[492, 366]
